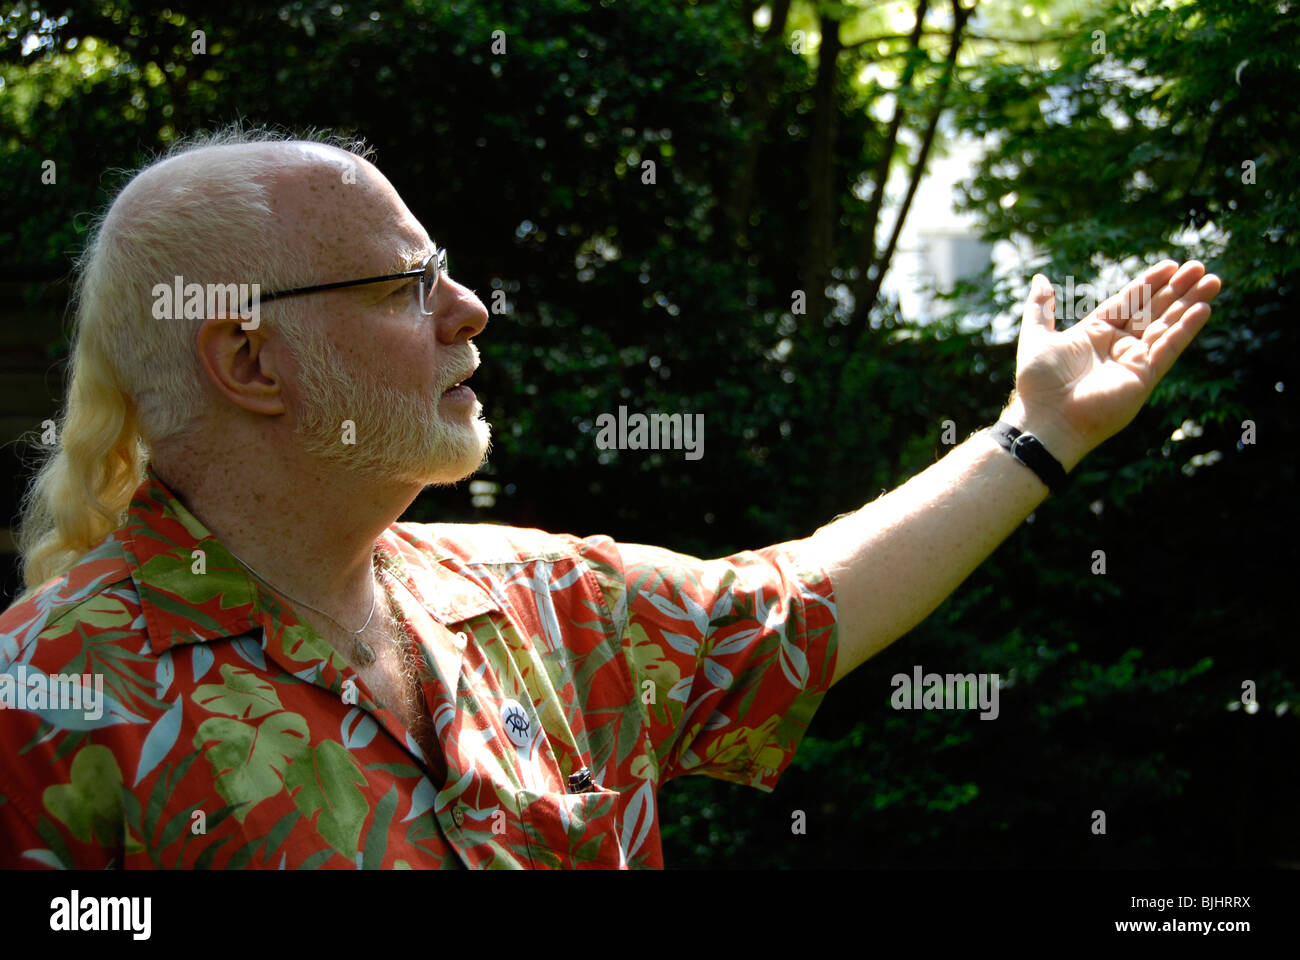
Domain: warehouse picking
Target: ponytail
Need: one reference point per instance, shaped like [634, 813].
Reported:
[82, 490]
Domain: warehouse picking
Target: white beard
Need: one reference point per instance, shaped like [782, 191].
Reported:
[399, 436]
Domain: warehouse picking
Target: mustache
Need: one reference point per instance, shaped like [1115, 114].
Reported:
[458, 368]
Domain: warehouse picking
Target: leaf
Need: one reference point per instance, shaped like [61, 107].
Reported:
[241, 857]
[357, 729]
[588, 850]
[377, 837]
[402, 771]
[100, 610]
[176, 576]
[57, 844]
[250, 650]
[423, 798]
[45, 857]
[153, 809]
[160, 740]
[718, 675]
[91, 803]
[244, 695]
[316, 860]
[201, 660]
[665, 607]
[174, 826]
[323, 783]
[248, 762]
[277, 834]
[681, 690]
[638, 817]
[303, 644]
[734, 644]
[687, 645]
[177, 608]
[164, 673]
[794, 664]
[204, 860]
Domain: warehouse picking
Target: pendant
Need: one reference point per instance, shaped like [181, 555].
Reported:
[362, 652]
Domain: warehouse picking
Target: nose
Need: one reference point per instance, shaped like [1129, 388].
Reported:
[460, 315]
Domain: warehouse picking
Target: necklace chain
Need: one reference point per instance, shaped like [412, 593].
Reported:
[362, 651]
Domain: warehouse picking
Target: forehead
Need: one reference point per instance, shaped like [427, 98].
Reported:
[343, 213]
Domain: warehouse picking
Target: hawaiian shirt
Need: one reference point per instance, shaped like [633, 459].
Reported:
[160, 708]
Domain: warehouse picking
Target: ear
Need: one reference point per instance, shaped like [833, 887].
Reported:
[241, 365]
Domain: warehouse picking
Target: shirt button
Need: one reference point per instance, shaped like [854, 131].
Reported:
[518, 726]
[458, 815]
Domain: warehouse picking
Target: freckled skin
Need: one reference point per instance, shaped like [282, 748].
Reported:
[354, 230]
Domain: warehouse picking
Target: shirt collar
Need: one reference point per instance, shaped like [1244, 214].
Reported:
[192, 589]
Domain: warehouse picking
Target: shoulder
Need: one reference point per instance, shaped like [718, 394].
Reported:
[504, 561]
[490, 544]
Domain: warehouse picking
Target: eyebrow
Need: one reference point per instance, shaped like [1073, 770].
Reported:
[408, 259]
[412, 257]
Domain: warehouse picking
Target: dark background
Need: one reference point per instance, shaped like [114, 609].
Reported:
[1123, 690]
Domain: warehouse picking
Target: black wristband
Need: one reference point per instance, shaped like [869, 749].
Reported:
[1029, 450]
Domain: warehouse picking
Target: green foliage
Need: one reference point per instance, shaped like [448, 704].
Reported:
[676, 296]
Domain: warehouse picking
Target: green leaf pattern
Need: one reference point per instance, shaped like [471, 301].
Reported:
[246, 751]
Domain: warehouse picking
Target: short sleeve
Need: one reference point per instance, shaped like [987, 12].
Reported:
[730, 658]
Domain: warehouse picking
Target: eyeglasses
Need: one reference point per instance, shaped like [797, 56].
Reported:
[430, 269]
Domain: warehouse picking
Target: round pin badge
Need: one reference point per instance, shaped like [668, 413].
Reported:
[518, 726]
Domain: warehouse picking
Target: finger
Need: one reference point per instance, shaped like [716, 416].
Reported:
[1119, 309]
[1206, 289]
[1187, 276]
[1040, 308]
[1170, 346]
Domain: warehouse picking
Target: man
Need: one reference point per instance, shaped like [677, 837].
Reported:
[230, 653]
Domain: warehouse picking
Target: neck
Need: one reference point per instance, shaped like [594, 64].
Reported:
[306, 527]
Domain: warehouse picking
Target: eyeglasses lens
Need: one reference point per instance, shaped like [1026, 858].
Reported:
[436, 266]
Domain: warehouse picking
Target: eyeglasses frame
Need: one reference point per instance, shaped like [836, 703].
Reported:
[440, 253]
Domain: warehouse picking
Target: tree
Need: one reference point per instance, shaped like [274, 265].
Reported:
[644, 189]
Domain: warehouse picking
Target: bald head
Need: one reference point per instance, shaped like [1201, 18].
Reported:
[342, 214]
[323, 205]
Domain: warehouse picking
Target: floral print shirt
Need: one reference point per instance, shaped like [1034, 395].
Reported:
[160, 708]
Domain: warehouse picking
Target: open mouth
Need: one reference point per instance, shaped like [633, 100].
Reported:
[459, 386]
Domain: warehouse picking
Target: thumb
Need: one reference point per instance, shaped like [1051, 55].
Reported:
[1040, 308]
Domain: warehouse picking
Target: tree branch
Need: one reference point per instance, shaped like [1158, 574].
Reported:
[819, 248]
[870, 284]
[890, 37]
[867, 244]
[759, 106]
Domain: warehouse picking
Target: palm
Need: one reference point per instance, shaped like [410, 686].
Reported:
[1094, 377]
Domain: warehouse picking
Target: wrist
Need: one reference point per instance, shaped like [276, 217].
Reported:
[1060, 440]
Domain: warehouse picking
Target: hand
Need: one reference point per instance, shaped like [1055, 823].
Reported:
[1076, 388]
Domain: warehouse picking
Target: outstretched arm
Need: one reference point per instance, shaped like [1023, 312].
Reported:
[895, 560]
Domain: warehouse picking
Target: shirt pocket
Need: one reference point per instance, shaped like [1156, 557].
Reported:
[576, 831]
